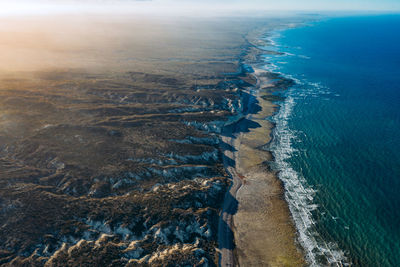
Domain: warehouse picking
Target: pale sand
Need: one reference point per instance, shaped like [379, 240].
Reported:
[264, 231]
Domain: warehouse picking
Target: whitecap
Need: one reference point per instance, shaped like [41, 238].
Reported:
[298, 193]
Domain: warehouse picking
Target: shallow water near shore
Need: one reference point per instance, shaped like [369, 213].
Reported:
[336, 139]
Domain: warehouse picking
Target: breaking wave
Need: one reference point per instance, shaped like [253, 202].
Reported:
[298, 194]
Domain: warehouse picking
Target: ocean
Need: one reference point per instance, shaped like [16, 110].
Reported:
[337, 137]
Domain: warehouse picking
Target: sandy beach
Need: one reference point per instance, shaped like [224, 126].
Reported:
[264, 232]
[255, 208]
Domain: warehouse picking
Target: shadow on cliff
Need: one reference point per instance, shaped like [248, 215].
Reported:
[231, 204]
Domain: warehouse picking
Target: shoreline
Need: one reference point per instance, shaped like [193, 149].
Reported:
[263, 231]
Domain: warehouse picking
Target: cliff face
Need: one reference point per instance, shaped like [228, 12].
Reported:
[107, 164]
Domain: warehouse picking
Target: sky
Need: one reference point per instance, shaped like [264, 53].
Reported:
[10, 7]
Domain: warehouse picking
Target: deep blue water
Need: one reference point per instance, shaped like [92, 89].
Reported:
[337, 139]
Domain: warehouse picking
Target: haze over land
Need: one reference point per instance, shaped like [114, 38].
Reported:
[193, 7]
[109, 137]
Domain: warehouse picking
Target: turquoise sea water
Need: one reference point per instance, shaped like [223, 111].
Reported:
[337, 137]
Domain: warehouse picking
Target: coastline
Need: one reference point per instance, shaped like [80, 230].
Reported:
[322, 136]
[264, 231]
[255, 208]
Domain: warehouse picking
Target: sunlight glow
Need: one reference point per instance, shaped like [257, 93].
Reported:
[187, 7]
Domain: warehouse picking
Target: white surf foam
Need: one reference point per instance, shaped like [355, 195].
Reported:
[298, 194]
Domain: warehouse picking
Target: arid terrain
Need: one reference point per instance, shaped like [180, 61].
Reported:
[109, 139]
